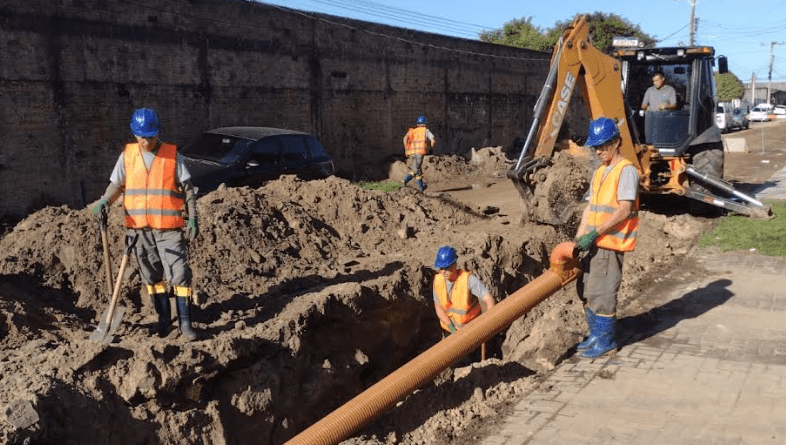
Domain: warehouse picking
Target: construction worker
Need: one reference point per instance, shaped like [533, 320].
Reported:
[417, 142]
[155, 184]
[607, 230]
[659, 97]
[459, 296]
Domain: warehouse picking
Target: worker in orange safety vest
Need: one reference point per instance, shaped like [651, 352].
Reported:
[608, 229]
[459, 296]
[417, 143]
[155, 184]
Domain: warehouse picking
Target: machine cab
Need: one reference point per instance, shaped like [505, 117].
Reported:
[689, 70]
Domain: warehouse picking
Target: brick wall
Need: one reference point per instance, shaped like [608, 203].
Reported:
[73, 71]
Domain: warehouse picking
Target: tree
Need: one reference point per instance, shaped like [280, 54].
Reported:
[520, 33]
[602, 28]
[729, 87]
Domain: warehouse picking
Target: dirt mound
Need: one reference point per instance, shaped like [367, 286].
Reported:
[308, 292]
[451, 167]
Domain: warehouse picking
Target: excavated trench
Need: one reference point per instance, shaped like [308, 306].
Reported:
[308, 293]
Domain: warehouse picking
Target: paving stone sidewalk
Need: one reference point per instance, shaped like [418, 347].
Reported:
[705, 363]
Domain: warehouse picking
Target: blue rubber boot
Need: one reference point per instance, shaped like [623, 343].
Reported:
[407, 179]
[420, 185]
[606, 333]
[592, 337]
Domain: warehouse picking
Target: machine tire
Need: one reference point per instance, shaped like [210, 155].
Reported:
[708, 159]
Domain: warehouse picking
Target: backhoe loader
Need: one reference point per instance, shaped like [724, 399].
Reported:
[677, 151]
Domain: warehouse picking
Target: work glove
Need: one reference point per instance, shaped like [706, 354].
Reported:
[586, 241]
[192, 229]
[452, 328]
[102, 206]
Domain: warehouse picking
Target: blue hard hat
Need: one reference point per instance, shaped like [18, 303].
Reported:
[601, 130]
[421, 120]
[144, 123]
[446, 256]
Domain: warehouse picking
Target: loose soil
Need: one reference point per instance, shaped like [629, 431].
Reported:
[307, 293]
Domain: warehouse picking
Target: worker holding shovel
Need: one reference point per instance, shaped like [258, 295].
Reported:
[155, 184]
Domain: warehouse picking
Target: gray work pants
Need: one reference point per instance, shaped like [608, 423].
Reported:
[600, 283]
[162, 254]
[415, 165]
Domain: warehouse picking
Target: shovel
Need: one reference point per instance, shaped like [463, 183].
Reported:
[103, 223]
[110, 319]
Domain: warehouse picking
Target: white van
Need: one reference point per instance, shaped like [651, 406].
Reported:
[723, 116]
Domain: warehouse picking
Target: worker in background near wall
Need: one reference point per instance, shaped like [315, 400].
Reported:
[155, 183]
[417, 142]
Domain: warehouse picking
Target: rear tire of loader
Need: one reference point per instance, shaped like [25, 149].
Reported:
[707, 159]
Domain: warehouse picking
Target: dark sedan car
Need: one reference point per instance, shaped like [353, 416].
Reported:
[238, 156]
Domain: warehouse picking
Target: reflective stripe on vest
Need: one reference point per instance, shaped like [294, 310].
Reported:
[151, 198]
[462, 306]
[416, 141]
[622, 237]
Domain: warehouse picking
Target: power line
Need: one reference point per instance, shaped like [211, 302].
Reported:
[403, 16]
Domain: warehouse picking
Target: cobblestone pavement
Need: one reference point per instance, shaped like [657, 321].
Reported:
[703, 363]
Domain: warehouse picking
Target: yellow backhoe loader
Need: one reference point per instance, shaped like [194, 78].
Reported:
[677, 151]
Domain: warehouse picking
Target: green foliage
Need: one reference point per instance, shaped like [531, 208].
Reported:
[520, 33]
[729, 87]
[602, 28]
[387, 187]
[737, 232]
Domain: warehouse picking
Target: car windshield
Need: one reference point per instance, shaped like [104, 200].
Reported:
[216, 147]
[757, 110]
[719, 110]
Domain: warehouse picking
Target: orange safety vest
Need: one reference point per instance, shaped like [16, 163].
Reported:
[416, 141]
[152, 198]
[461, 307]
[622, 237]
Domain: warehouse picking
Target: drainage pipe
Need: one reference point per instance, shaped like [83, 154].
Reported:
[354, 414]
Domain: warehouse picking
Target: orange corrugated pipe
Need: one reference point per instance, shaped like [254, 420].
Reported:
[348, 418]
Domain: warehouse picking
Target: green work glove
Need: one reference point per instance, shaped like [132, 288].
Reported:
[192, 229]
[586, 241]
[102, 206]
[452, 328]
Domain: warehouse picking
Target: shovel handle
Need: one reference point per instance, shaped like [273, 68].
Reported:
[107, 263]
[130, 243]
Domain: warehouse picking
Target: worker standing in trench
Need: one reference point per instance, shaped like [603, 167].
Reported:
[608, 229]
[155, 184]
[417, 142]
[459, 296]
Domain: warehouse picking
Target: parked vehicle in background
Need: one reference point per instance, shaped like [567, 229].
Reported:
[759, 114]
[723, 117]
[739, 119]
[238, 156]
[779, 109]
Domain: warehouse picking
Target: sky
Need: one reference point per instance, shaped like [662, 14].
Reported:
[743, 31]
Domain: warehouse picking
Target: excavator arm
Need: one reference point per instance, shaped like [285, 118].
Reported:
[575, 62]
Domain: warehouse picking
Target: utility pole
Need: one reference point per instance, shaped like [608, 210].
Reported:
[692, 19]
[772, 61]
[753, 88]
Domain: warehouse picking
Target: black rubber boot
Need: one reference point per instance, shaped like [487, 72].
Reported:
[183, 306]
[164, 311]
